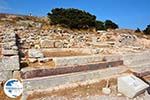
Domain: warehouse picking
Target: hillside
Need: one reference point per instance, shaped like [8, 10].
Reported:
[52, 61]
[31, 29]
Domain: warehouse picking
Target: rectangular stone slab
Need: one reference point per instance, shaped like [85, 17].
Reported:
[49, 82]
[131, 86]
[69, 69]
[9, 63]
[5, 75]
[80, 60]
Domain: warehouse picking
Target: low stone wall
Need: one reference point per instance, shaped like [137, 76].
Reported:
[81, 50]
[25, 73]
[80, 60]
[10, 58]
[58, 80]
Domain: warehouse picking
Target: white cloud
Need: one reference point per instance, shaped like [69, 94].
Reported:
[4, 6]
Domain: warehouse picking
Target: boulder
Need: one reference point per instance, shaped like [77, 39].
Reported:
[35, 53]
[131, 86]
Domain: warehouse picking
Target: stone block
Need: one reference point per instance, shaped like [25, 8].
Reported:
[10, 63]
[35, 53]
[131, 86]
[78, 60]
[5, 75]
[58, 44]
[9, 52]
[47, 43]
[57, 80]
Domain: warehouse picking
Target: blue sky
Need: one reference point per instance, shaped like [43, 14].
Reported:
[126, 13]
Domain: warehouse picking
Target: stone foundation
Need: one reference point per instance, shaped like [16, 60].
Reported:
[10, 57]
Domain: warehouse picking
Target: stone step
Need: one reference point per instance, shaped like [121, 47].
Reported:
[139, 62]
[141, 65]
[136, 58]
[137, 55]
[80, 60]
[41, 72]
[58, 80]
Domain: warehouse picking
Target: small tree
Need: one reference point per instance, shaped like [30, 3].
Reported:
[110, 25]
[137, 30]
[100, 25]
[73, 18]
[147, 30]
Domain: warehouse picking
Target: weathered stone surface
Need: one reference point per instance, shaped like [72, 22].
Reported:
[47, 43]
[131, 86]
[79, 60]
[34, 53]
[44, 59]
[106, 91]
[5, 75]
[52, 81]
[138, 60]
[127, 39]
[58, 44]
[9, 52]
[10, 63]
[28, 73]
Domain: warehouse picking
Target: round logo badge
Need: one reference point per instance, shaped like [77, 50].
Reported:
[13, 88]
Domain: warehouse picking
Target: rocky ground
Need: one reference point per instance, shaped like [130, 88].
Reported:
[38, 42]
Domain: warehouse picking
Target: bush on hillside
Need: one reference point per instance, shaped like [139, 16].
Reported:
[100, 25]
[71, 17]
[147, 30]
[75, 18]
[137, 30]
[110, 25]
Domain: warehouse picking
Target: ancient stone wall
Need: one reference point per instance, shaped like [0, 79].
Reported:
[10, 57]
[137, 60]
[80, 60]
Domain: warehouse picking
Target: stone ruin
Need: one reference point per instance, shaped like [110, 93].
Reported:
[47, 60]
[10, 56]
